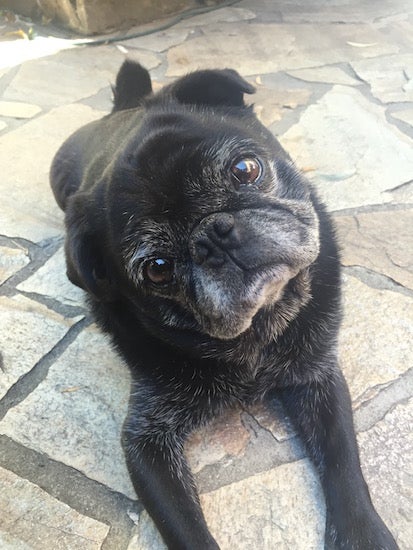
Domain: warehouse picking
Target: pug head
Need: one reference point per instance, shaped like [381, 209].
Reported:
[212, 225]
[222, 222]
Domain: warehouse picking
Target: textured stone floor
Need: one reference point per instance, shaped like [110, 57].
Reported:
[335, 83]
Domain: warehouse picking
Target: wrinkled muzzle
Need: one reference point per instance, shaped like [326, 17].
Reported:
[242, 262]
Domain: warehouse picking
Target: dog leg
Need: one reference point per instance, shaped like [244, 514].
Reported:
[161, 476]
[322, 415]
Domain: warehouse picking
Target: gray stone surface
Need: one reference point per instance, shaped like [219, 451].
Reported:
[69, 66]
[75, 415]
[11, 260]
[341, 11]
[276, 47]
[221, 15]
[387, 459]
[328, 75]
[390, 77]
[282, 508]
[376, 339]
[28, 207]
[28, 331]
[356, 155]
[381, 241]
[158, 42]
[31, 519]
[51, 280]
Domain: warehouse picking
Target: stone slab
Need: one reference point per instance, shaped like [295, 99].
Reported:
[265, 510]
[387, 459]
[51, 280]
[274, 421]
[381, 241]
[29, 330]
[405, 115]
[390, 77]
[81, 72]
[282, 508]
[220, 15]
[11, 261]
[224, 438]
[3, 125]
[356, 155]
[75, 415]
[15, 109]
[270, 104]
[325, 75]
[376, 338]
[157, 42]
[32, 519]
[341, 11]
[15, 52]
[271, 47]
[28, 207]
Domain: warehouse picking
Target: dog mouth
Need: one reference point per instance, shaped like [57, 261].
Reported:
[229, 308]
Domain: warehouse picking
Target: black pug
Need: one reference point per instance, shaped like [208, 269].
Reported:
[213, 266]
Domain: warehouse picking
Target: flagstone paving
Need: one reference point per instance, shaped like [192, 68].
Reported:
[335, 84]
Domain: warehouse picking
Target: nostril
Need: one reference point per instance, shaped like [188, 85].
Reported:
[205, 252]
[224, 224]
[202, 251]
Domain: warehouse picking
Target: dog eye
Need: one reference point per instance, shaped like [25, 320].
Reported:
[247, 171]
[159, 271]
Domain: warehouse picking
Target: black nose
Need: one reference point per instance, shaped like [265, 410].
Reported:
[213, 238]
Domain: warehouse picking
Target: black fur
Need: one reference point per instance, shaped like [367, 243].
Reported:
[250, 303]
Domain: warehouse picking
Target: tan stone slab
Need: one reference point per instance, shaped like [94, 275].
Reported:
[271, 104]
[282, 509]
[28, 207]
[75, 415]
[15, 109]
[381, 241]
[224, 438]
[356, 156]
[274, 421]
[387, 459]
[390, 77]
[327, 75]
[376, 338]
[32, 519]
[51, 280]
[28, 331]
[11, 261]
[71, 75]
[266, 48]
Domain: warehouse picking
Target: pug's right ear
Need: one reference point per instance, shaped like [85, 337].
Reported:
[86, 266]
[223, 87]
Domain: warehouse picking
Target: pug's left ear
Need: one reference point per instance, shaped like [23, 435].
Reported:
[211, 87]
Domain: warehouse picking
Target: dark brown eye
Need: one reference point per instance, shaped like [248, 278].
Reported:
[159, 271]
[247, 171]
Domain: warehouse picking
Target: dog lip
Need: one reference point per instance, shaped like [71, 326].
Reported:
[263, 288]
